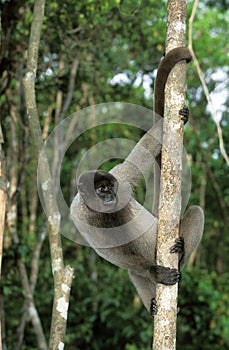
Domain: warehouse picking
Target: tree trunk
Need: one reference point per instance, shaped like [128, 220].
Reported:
[62, 275]
[170, 191]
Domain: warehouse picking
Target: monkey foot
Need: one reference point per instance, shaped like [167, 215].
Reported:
[165, 275]
[184, 112]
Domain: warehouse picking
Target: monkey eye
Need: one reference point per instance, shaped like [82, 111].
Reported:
[103, 188]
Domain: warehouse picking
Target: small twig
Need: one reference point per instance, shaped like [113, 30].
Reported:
[71, 85]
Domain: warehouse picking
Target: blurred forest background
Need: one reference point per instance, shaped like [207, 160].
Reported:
[95, 52]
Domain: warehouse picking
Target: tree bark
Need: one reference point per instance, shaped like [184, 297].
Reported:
[170, 191]
[62, 275]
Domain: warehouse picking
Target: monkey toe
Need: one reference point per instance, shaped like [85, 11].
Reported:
[184, 113]
[175, 276]
[153, 307]
[166, 276]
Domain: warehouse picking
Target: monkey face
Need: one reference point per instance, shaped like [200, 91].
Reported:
[98, 189]
[106, 190]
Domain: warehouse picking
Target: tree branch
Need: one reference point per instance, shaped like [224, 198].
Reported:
[12, 214]
[32, 310]
[71, 84]
[32, 284]
[170, 190]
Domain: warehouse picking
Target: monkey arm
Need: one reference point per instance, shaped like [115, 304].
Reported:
[149, 147]
[144, 153]
[141, 157]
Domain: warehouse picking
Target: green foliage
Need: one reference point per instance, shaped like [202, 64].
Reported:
[112, 39]
[204, 315]
[99, 296]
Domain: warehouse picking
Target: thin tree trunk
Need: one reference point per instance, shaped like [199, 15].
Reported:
[170, 191]
[62, 275]
[32, 284]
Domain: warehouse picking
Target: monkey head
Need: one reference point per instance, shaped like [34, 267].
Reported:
[101, 191]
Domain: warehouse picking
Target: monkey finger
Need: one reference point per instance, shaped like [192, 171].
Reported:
[178, 247]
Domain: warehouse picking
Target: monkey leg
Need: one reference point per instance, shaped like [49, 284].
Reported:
[191, 229]
[145, 288]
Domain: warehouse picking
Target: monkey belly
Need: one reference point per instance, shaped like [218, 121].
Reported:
[131, 244]
[138, 253]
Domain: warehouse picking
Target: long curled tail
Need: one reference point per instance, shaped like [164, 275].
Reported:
[171, 58]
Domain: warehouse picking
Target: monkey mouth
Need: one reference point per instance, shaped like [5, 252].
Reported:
[110, 201]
